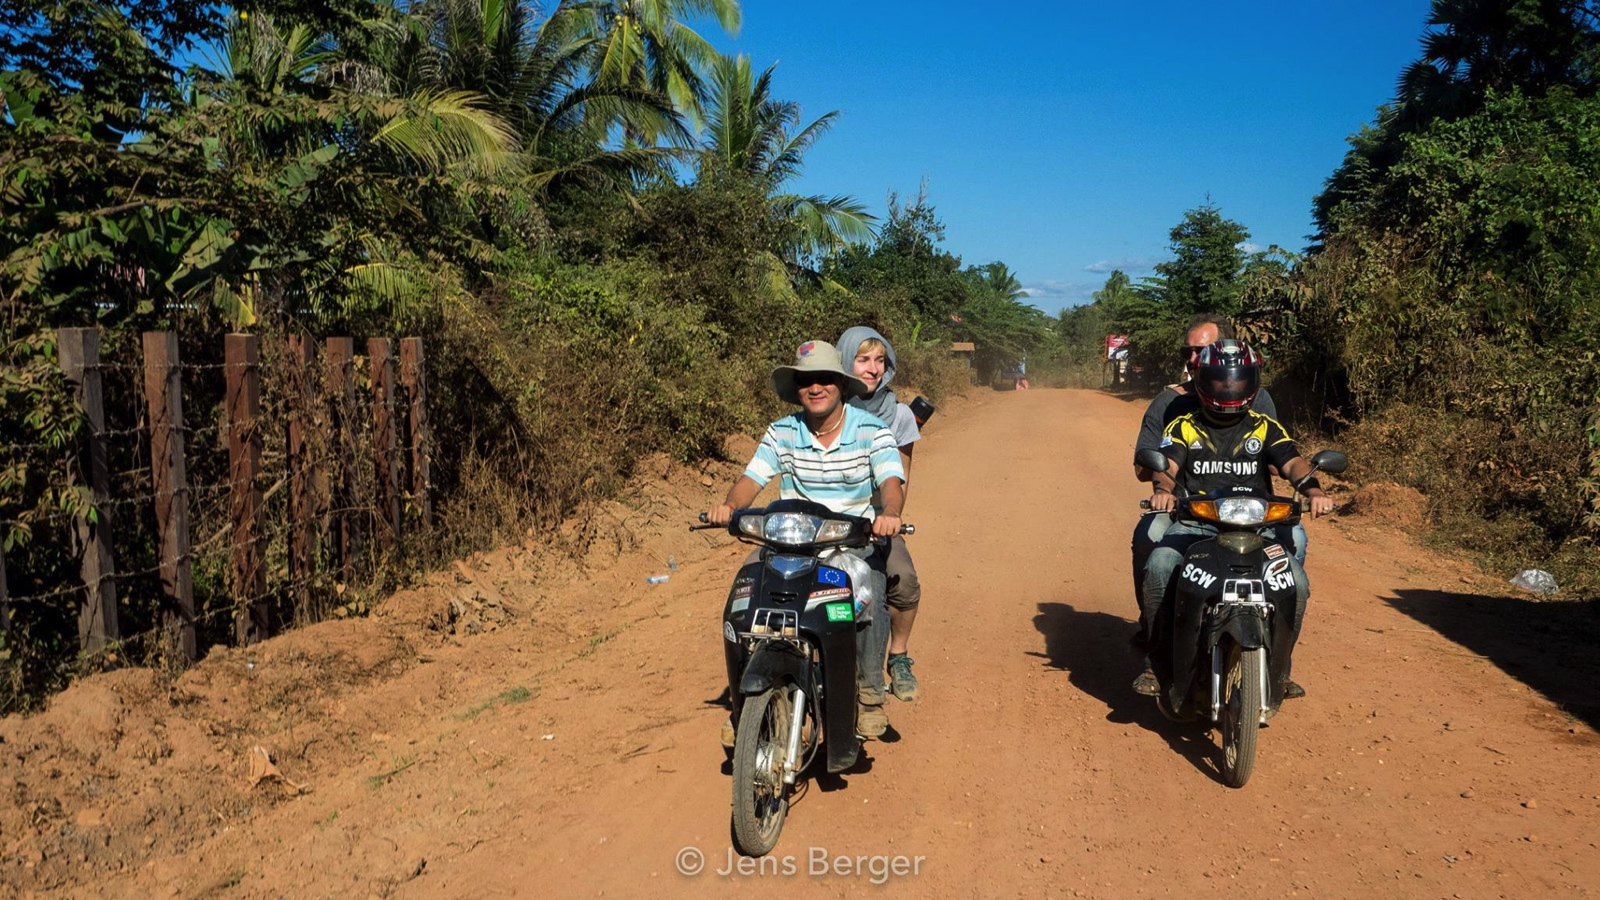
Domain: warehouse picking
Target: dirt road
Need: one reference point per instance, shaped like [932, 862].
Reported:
[572, 750]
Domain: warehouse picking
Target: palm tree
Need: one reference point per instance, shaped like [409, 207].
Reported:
[749, 138]
[537, 75]
[1475, 46]
[644, 44]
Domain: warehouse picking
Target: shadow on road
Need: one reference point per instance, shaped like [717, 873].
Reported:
[1549, 647]
[1093, 649]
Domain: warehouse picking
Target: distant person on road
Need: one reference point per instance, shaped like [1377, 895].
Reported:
[1021, 373]
[844, 458]
[868, 356]
[1224, 444]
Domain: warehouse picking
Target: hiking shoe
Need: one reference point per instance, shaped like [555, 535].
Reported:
[901, 681]
[727, 734]
[1292, 690]
[871, 721]
[1147, 684]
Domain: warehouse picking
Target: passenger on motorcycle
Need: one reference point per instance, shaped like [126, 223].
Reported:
[1224, 444]
[1173, 401]
[870, 358]
[840, 456]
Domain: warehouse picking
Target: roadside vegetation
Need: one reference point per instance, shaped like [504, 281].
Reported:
[587, 211]
[1444, 326]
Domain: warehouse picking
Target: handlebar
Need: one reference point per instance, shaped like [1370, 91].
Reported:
[704, 519]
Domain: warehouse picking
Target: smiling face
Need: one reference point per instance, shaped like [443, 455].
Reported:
[820, 394]
[870, 364]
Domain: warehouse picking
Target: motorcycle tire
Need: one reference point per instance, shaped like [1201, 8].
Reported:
[760, 797]
[1240, 723]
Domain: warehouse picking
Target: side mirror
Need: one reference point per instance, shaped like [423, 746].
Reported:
[1152, 459]
[1331, 461]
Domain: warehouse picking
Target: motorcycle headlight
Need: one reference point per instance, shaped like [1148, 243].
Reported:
[1241, 511]
[751, 525]
[833, 530]
[791, 529]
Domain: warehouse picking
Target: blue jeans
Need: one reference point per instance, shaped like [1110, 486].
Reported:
[1168, 555]
[1152, 527]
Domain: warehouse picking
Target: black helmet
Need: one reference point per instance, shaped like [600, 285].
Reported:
[1227, 376]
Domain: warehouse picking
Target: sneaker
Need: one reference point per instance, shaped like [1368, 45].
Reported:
[1147, 684]
[1292, 690]
[901, 681]
[727, 734]
[871, 721]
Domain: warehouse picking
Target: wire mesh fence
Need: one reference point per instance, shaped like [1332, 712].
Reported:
[204, 492]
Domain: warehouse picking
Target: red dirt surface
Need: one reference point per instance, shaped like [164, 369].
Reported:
[526, 725]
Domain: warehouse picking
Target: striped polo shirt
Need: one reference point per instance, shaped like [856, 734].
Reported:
[841, 477]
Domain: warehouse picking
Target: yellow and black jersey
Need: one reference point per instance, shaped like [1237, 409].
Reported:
[1212, 458]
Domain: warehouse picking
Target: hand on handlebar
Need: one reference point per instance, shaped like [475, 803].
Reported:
[886, 526]
[1321, 505]
[1162, 501]
[721, 514]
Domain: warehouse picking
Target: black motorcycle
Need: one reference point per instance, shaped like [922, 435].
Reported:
[790, 644]
[1222, 644]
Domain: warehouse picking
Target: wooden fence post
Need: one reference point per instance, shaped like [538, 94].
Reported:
[5, 597]
[79, 350]
[163, 391]
[415, 383]
[341, 389]
[243, 359]
[380, 352]
[306, 488]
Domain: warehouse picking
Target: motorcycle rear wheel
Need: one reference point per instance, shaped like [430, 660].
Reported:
[760, 797]
[1242, 672]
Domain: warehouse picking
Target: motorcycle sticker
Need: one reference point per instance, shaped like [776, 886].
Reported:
[1199, 576]
[830, 575]
[1274, 551]
[729, 633]
[827, 594]
[840, 612]
[740, 605]
[1279, 576]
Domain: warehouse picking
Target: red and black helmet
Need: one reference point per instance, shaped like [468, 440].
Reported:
[1227, 376]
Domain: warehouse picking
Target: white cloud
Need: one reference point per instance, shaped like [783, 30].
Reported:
[1126, 264]
[1248, 247]
[1053, 295]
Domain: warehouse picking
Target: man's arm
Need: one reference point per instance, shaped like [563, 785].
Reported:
[1151, 427]
[740, 496]
[1296, 469]
[892, 492]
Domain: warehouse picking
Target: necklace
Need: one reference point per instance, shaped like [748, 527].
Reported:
[828, 431]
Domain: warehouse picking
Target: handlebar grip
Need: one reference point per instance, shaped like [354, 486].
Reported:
[908, 529]
[1144, 504]
[704, 517]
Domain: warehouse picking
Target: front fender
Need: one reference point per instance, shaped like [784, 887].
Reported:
[1247, 628]
[772, 663]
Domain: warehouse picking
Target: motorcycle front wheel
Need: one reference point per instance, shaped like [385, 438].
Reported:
[1242, 672]
[760, 798]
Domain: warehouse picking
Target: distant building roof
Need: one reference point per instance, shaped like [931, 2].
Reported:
[962, 347]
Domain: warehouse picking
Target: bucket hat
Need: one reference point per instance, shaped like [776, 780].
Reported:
[812, 357]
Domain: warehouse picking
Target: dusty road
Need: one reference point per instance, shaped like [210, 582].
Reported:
[573, 751]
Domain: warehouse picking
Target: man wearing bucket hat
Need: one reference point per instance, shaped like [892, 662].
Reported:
[837, 455]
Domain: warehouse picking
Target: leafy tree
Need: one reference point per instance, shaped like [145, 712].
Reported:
[1205, 274]
[749, 139]
[645, 45]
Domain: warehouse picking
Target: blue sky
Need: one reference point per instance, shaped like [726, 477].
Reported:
[1066, 139]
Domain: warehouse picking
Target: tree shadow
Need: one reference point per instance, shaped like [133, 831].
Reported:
[1093, 649]
[1548, 646]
